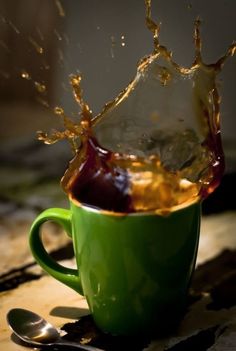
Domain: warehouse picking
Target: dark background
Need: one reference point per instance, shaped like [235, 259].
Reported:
[49, 40]
[88, 38]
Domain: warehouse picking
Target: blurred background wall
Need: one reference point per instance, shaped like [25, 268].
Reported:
[43, 42]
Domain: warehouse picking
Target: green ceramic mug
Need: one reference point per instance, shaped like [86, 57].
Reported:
[134, 270]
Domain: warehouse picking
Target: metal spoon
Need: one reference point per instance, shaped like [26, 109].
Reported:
[37, 332]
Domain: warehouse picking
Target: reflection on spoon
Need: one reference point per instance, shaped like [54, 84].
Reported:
[37, 332]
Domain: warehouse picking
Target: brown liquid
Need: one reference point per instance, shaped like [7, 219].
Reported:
[160, 138]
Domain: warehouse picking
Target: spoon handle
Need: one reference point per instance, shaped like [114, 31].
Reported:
[75, 345]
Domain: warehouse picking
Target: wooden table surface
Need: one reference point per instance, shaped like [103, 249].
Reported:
[216, 263]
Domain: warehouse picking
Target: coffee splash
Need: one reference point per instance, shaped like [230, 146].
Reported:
[157, 146]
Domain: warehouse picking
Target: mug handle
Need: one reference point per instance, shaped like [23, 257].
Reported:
[67, 276]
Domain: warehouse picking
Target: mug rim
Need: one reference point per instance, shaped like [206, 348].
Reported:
[160, 212]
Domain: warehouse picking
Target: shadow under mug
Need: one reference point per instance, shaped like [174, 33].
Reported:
[134, 270]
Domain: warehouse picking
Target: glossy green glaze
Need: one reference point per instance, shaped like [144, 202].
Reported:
[134, 270]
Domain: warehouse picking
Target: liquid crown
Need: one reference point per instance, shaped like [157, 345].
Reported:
[157, 146]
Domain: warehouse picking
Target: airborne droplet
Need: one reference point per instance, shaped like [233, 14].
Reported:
[36, 46]
[25, 75]
[41, 88]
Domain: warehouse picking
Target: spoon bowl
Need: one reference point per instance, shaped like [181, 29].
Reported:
[37, 332]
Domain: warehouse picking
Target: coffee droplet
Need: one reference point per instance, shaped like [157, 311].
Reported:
[60, 8]
[123, 41]
[58, 111]
[36, 46]
[25, 75]
[41, 88]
